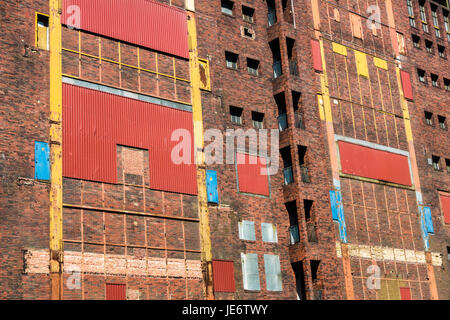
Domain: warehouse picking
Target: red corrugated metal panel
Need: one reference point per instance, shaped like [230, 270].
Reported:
[95, 122]
[445, 204]
[249, 175]
[116, 291]
[143, 22]
[317, 57]
[406, 84]
[375, 164]
[405, 293]
[223, 274]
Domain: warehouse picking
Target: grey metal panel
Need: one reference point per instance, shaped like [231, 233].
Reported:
[250, 272]
[269, 232]
[273, 272]
[247, 230]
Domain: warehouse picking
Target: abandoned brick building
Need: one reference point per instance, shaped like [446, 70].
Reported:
[96, 95]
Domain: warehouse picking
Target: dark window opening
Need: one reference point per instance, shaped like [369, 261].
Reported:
[302, 161]
[441, 50]
[308, 204]
[421, 75]
[287, 11]
[276, 55]
[448, 253]
[291, 208]
[447, 84]
[236, 114]
[253, 66]
[416, 41]
[271, 12]
[429, 118]
[292, 56]
[287, 165]
[299, 273]
[298, 111]
[232, 60]
[248, 33]
[429, 46]
[258, 119]
[314, 269]
[280, 99]
[227, 7]
[447, 165]
[441, 120]
[248, 14]
[436, 160]
[434, 80]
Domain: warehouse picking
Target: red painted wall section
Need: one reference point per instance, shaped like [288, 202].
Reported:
[445, 204]
[375, 164]
[223, 274]
[250, 178]
[116, 291]
[405, 293]
[316, 55]
[94, 123]
[406, 84]
[140, 22]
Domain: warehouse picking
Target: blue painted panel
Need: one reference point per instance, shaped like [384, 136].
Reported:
[211, 186]
[424, 229]
[41, 161]
[428, 219]
[334, 206]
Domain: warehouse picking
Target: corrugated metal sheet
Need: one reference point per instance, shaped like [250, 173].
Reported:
[375, 164]
[142, 22]
[223, 274]
[406, 84]
[95, 122]
[250, 178]
[41, 161]
[445, 203]
[317, 57]
[116, 291]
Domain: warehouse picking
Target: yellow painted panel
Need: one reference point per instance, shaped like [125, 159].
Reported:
[42, 40]
[321, 107]
[380, 63]
[361, 63]
[338, 48]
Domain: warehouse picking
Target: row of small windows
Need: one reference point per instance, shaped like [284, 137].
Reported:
[247, 231]
[424, 20]
[435, 161]
[421, 74]
[237, 118]
[428, 46]
[248, 13]
[441, 120]
[232, 62]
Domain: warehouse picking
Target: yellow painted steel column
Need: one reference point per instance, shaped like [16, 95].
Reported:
[205, 236]
[56, 235]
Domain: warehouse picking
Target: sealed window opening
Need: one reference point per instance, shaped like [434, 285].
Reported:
[269, 232]
[356, 25]
[291, 208]
[42, 32]
[416, 41]
[447, 84]
[271, 12]
[441, 51]
[236, 114]
[435, 160]
[227, 7]
[405, 293]
[435, 80]
[447, 165]
[441, 120]
[273, 272]
[258, 120]
[429, 46]
[276, 56]
[232, 60]
[116, 291]
[315, 264]
[250, 272]
[421, 75]
[429, 118]
[223, 274]
[253, 66]
[297, 267]
[280, 100]
[287, 165]
[248, 14]
[247, 230]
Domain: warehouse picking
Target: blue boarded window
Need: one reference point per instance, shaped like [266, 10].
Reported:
[428, 219]
[41, 161]
[211, 186]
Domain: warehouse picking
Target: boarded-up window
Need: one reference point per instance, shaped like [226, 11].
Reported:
[250, 272]
[401, 43]
[269, 232]
[223, 273]
[355, 21]
[405, 293]
[361, 64]
[406, 84]
[445, 205]
[273, 272]
[316, 55]
[42, 32]
[116, 291]
[252, 174]
[247, 230]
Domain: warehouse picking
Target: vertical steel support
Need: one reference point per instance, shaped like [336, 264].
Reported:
[56, 241]
[200, 157]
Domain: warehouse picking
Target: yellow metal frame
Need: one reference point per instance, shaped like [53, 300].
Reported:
[197, 114]
[36, 15]
[56, 203]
